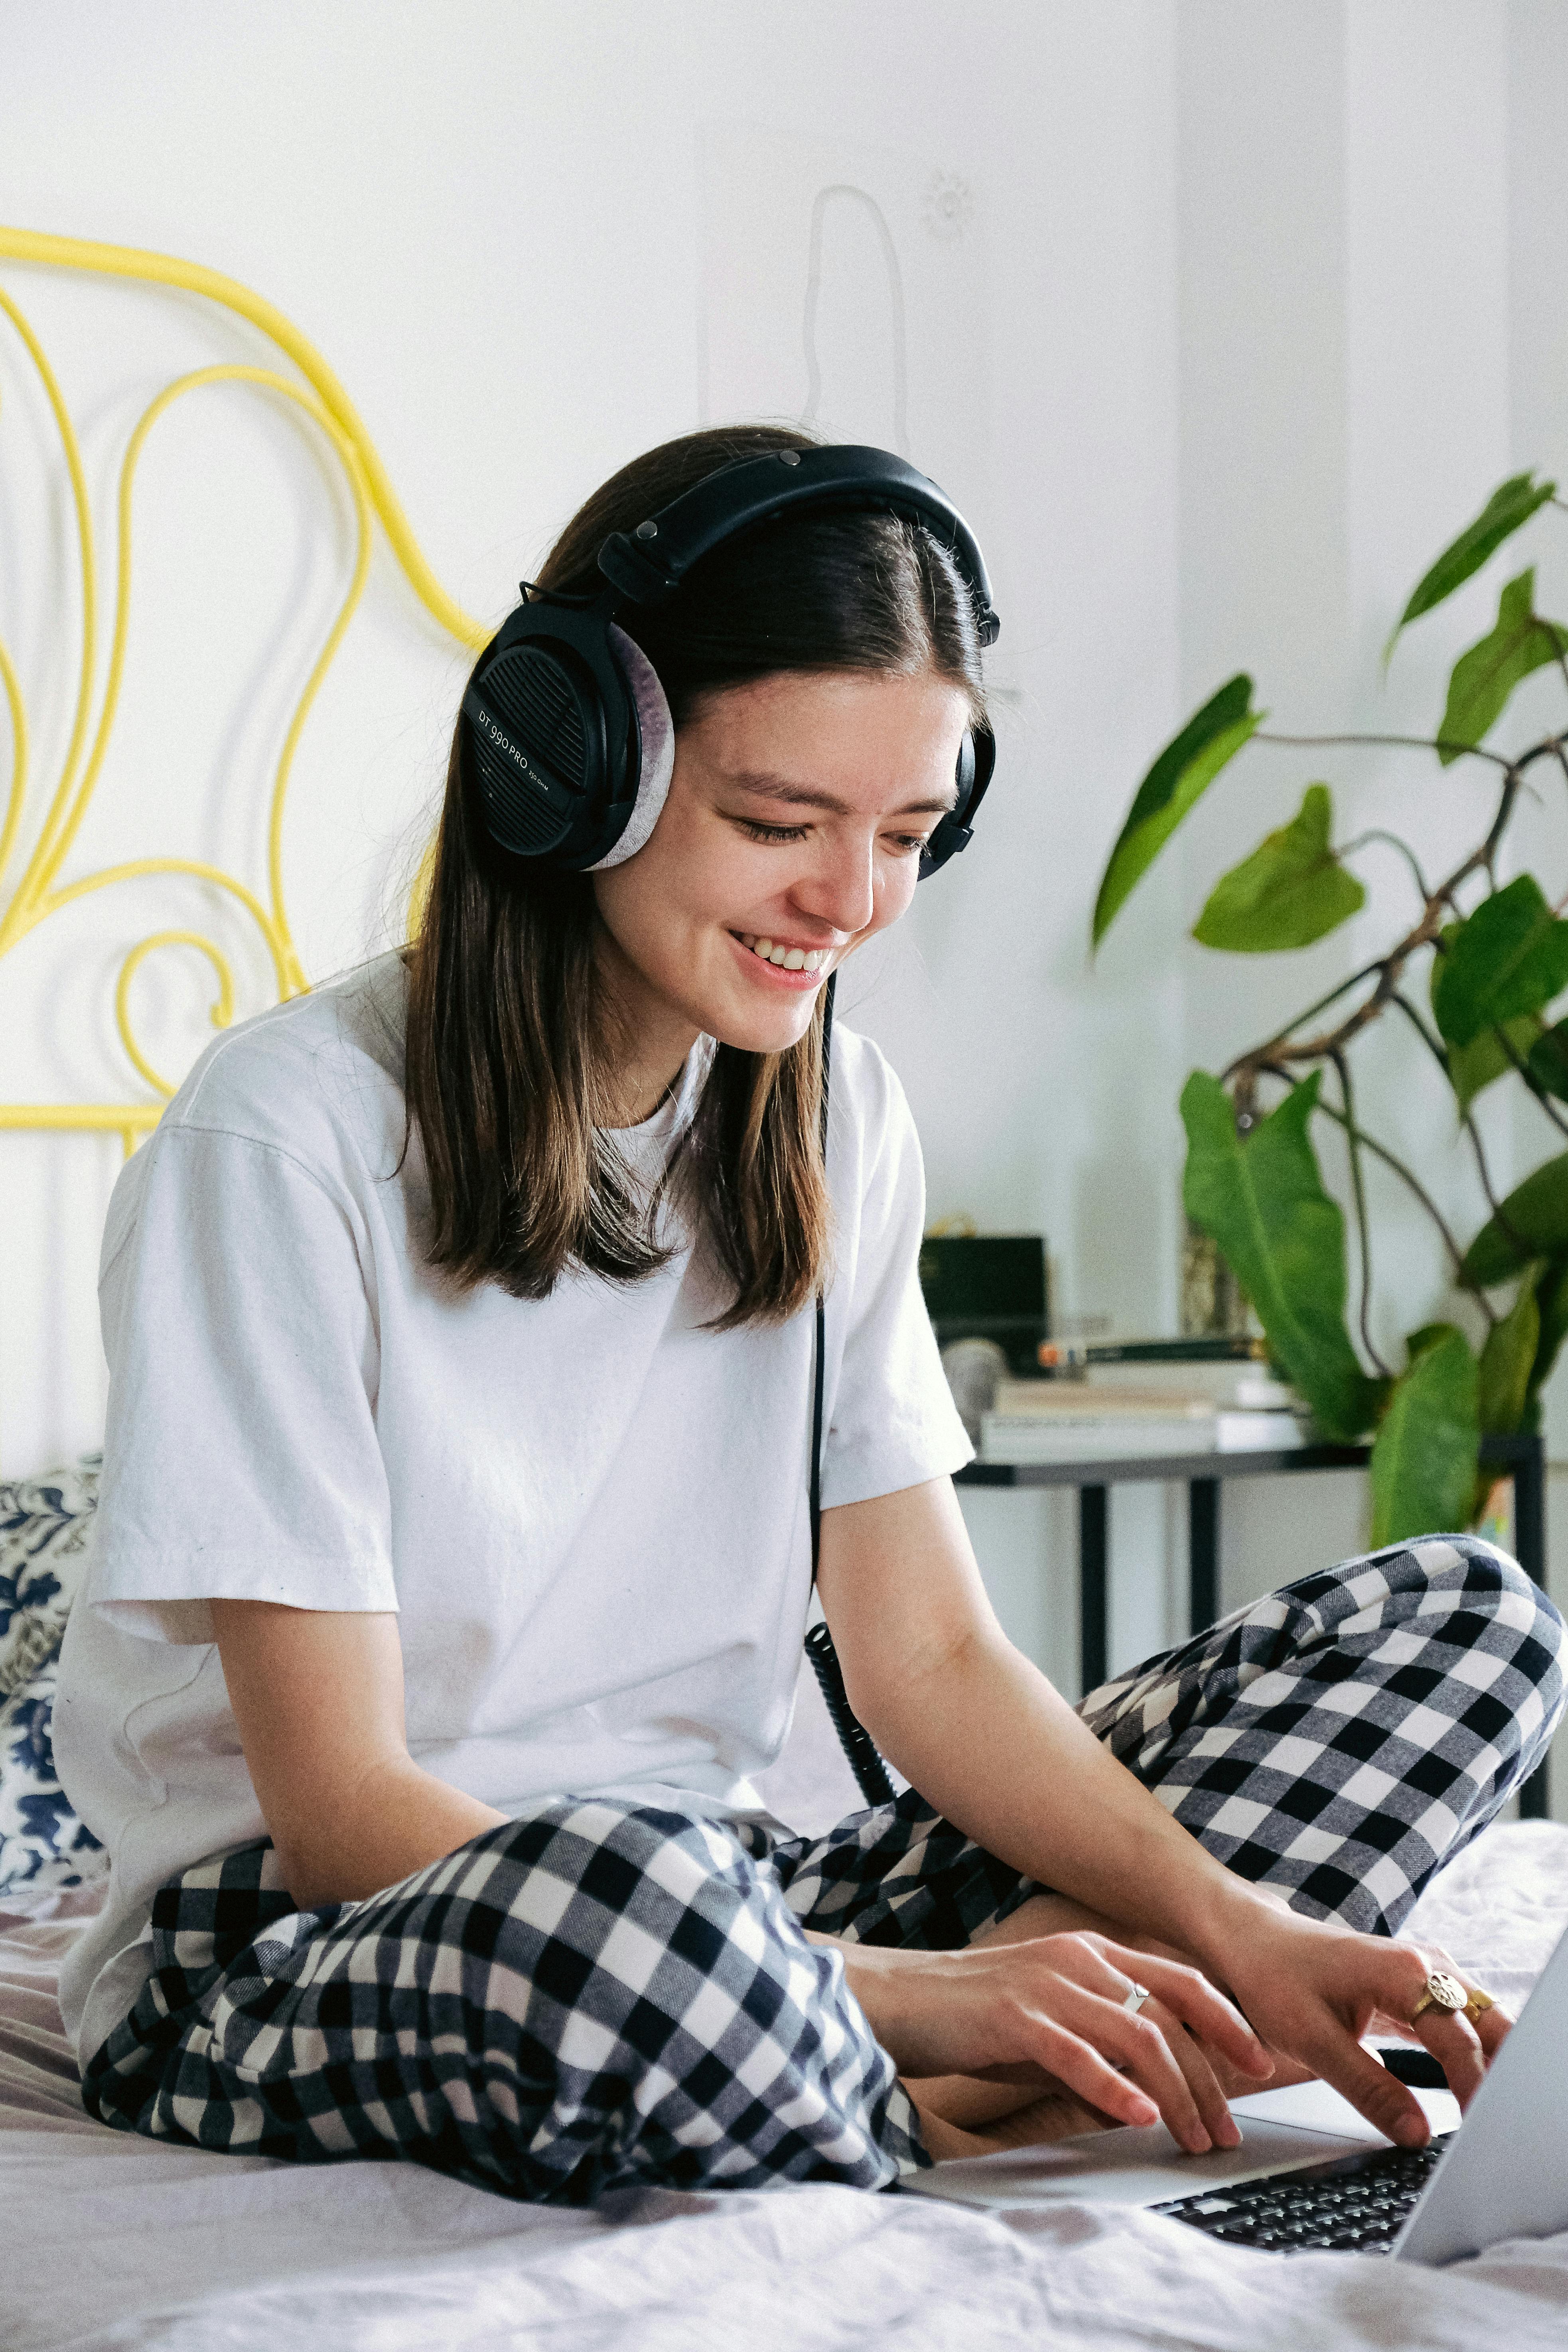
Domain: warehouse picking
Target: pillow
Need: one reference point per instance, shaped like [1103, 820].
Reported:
[44, 1527]
[42, 1843]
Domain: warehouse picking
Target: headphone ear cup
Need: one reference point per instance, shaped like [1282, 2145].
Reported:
[976, 760]
[534, 735]
[551, 737]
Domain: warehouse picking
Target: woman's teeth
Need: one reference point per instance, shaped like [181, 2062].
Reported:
[791, 959]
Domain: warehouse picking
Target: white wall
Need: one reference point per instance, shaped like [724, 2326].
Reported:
[523, 273]
[1245, 309]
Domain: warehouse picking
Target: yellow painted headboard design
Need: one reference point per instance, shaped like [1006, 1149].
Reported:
[316, 394]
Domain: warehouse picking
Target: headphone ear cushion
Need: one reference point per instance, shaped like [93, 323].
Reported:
[658, 729]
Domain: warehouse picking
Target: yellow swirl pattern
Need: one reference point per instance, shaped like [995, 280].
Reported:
[222, 1012]
[321, 400]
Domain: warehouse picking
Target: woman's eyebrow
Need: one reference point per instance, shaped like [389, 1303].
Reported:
[783, 788]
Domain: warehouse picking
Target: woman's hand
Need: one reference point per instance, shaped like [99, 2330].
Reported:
[925, 1664]
[1050, 2012]
[1312, 1989]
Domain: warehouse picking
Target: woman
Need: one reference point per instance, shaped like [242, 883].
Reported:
[453, 1556]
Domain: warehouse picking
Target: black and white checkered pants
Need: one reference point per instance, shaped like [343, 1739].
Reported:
[604, 1993]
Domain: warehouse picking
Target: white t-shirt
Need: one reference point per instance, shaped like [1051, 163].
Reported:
[590, 1514]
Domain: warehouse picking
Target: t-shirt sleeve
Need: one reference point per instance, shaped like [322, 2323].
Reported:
[240, 1456]
[892, 1421]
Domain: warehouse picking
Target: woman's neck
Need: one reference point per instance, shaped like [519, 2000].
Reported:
[635, 1108]
[648, 1040]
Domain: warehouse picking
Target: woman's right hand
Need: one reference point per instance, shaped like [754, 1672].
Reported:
[1052, 2011]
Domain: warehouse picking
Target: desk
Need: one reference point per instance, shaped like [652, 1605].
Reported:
[1523, 1458]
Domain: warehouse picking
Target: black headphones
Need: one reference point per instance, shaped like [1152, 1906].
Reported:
[552, 742]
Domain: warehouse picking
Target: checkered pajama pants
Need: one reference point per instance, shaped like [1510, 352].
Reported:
[602, 1993]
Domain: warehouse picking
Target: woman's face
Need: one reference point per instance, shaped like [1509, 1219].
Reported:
[796, 814]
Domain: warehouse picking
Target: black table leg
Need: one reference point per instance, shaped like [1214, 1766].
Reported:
[1529, 1544]
[1093, 1647]
[1203, 1553]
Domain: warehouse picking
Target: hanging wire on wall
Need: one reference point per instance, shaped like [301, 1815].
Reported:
[842, 189]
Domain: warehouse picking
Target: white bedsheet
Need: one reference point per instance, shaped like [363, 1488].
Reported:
[108, 2241]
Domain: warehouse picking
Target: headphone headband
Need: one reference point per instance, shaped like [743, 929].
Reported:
[566, 736]
[647, 564]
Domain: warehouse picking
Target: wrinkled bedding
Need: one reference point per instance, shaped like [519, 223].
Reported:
[112, 2241]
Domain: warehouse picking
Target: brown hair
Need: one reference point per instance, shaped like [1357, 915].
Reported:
[508, 1021]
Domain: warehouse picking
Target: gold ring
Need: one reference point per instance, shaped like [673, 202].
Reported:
[1478, 2004]
[1441, 1991]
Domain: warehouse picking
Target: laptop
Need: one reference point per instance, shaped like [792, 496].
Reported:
[1311, 2175]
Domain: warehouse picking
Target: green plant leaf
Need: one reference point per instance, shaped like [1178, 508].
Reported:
[1483, 678]
[1510, 504]
[1417, 1343]
[1532, 1223]
[1423, 1457]
[1179, 777]
[1261, 1199]
[1473, 1066]
[1486, 1057]
[1508, 1360]
[1551, 1305]
[1548, 1060]
[1291, 891]
[1510, 958]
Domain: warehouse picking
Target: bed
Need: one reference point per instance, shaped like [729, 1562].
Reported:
[113, 2241]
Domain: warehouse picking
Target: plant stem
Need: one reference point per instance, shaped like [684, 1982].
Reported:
[1376, 833]
[1439, 1054]
[1257, 1057]
[1525, 1247]
[1381, 1151]
[1429, 1038]
[1535, 1087]
[1435, 1047]
[1493, 1203]
[1358, 1189]
[1397, 742]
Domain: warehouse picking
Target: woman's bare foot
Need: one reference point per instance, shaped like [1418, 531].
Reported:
[961, 2116]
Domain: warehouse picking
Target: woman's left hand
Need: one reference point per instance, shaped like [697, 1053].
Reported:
[1311, 1990]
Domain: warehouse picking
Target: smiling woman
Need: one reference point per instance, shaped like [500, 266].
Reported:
[820, 672]
[728, 868]
[465, 1320]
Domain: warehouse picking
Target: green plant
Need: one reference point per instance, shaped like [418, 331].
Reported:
[1495, 958]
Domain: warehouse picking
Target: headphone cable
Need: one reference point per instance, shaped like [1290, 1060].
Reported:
[871, 1773]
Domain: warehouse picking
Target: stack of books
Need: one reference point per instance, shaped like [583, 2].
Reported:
[1147, 1397]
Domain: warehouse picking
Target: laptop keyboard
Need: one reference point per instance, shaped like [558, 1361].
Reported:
[1353, 2204]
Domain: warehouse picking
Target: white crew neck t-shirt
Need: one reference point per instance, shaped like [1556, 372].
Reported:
[590, 1514]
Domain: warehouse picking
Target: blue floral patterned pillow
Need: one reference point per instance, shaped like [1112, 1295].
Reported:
[44, 1525]
[42, 1843]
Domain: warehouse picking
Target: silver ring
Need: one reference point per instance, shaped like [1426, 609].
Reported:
[1135, 1999]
